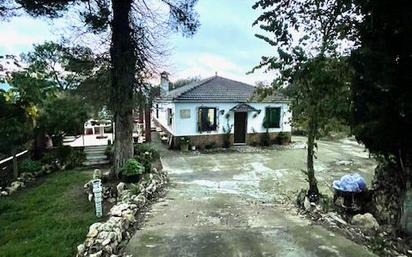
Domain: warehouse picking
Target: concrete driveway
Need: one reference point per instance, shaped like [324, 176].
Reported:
[233, 204]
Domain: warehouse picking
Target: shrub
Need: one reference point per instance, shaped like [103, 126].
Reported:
[143, 148]
[29, 166]
[265, 139]
[184, 141]
[64, 155]
[131, 168]
[135, 189]
[75, 159]
[282, 138]
[49, 158]
[146, 154]
[226, 135]
[210, 145]
[146, 161]
[109, 152]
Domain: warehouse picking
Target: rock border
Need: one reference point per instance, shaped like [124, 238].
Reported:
[24, 179]
[378, 239]
[104, 239]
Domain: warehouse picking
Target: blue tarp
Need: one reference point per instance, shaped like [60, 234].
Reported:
[350, 183]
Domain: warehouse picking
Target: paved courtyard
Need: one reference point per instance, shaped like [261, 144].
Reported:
[232, 204]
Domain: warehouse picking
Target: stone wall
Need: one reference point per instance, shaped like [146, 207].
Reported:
[201, 141]
[104, 238]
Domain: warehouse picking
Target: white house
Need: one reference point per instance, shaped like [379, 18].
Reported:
[205, 110]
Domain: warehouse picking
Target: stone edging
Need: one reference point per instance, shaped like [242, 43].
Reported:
[21, 182]
[104, 238]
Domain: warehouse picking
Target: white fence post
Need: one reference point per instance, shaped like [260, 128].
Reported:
[97, 190]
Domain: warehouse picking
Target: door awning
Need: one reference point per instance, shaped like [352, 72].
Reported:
[243, 107]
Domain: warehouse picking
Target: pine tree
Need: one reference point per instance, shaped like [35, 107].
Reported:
[135, 27]
[382, 109]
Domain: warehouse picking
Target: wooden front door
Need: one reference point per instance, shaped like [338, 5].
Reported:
[240, 127]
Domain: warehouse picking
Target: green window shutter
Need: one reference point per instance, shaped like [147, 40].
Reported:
[275, 117]
[272, 118]
[199, 120]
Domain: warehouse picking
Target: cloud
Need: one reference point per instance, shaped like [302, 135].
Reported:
[225, 44]
[206, 64]
[19, 34]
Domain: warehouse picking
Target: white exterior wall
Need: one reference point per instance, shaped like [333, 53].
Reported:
[188, 127]
[163, 106]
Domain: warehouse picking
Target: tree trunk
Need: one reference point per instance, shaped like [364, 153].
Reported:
[388, 193]
[39, 145]
[123, 60]
[313, 184]
[147, 121]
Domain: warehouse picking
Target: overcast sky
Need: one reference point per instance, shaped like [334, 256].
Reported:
[225, 42]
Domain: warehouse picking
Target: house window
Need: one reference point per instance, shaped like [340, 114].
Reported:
[207, 119]
[272, 117]
[185, 114]
[169, 116]
[157, 110]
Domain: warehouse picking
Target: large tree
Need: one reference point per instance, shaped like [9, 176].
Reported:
[136, 28]
[308, 37]
[382, 110]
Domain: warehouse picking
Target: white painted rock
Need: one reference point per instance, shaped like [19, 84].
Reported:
[80, 249]
[307, 204]
[343, 162]
[94, 230]
[365, 222]
[98, 254]
[15, 185]
[120, 188]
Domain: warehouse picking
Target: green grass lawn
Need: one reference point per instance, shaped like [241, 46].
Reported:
[49, 219]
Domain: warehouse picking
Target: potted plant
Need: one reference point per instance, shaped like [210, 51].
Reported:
[184, 143]
[131, 171]
[283, 138]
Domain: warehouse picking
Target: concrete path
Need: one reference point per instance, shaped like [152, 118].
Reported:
[230, 204]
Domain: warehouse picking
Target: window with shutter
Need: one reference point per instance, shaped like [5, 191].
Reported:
[272, 117]
[206, 118]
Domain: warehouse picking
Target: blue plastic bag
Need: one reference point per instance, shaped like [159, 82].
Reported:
[350, 183]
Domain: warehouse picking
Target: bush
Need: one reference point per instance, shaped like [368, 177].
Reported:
[29, 166]
[48, 158]
[184, 141]
[64, 155]
[265, 139]
[75, 159]
[109, 152]
[143, 148]
[135, 189]
[211, 145]
[131, 168]
[282, 138]
[226, 135]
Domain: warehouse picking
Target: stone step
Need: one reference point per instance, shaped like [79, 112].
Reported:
[96, 157]
[94, 151]
[97, 147]
[95, 162]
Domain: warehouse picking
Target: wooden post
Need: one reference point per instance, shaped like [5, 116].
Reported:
[147, 124]
[15, 166]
